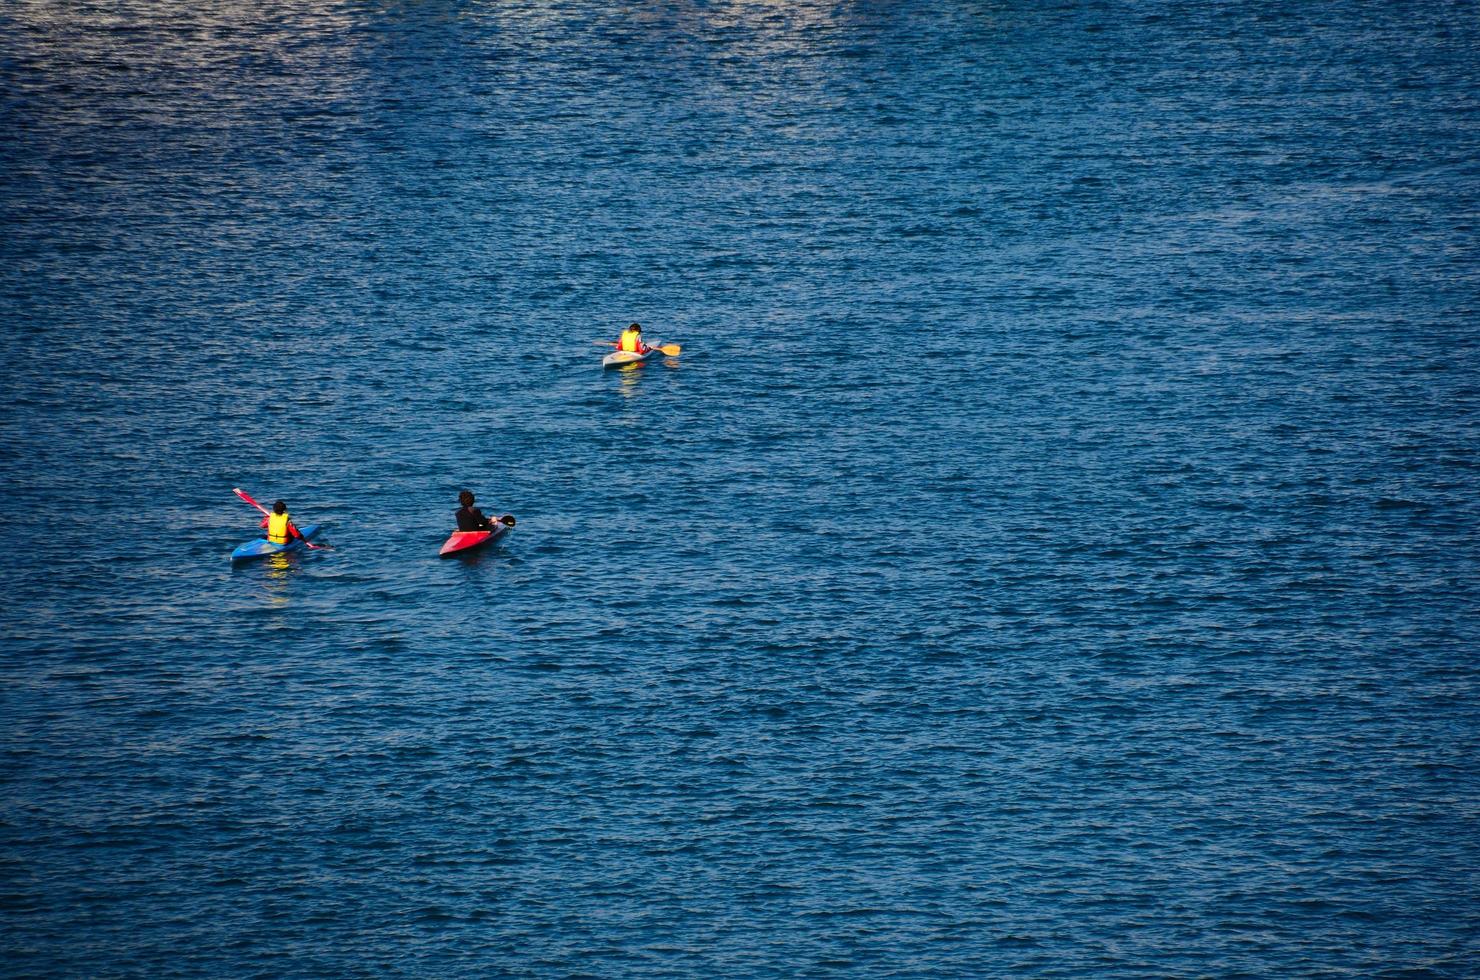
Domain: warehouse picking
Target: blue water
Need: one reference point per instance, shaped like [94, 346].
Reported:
[1053, 554]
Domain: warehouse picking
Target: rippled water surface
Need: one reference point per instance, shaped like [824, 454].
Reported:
[1053, 553]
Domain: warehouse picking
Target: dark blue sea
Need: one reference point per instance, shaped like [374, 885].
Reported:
[1053, 554]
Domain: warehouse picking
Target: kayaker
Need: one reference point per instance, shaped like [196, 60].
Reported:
[631, 340]
[280, 529]
[470, 518]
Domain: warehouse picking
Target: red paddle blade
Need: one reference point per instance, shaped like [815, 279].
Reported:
[243, 494]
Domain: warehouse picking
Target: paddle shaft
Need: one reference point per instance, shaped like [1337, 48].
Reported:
[672, 350]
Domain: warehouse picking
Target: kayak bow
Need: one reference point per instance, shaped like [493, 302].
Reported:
[463, 542]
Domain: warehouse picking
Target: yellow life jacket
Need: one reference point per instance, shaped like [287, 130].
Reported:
[630, 341]
[277, 528]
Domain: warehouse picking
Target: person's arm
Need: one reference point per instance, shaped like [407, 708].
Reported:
[293, 532]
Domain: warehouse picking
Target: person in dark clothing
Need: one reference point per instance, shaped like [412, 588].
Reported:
[470, 518]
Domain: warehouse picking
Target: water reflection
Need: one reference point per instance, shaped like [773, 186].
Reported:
[630, 374]
[629, 377]
[276, 571]
[477, 556]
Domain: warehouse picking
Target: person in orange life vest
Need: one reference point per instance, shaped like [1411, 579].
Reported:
[631, 340]
[470, 518]
[280, 529]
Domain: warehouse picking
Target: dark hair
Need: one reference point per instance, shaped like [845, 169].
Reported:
[635, 326]
[465, 498]
[279, 508]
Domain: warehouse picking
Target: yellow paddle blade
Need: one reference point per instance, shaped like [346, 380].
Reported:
[672, 350]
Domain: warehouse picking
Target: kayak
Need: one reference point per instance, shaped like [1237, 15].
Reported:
[463, 542]
[621, 357]
[262, 547]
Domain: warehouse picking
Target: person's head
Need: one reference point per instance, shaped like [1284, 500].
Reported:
[635, 327]
[465, 498]
[279, 508]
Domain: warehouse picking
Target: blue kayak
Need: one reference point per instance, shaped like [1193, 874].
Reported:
[262, 547]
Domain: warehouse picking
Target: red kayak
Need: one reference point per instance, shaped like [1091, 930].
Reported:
[462, 542]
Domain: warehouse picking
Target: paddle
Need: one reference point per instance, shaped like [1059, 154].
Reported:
[245, 496]
[672, 350]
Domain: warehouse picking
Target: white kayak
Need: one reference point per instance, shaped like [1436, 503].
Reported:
[620, 357]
